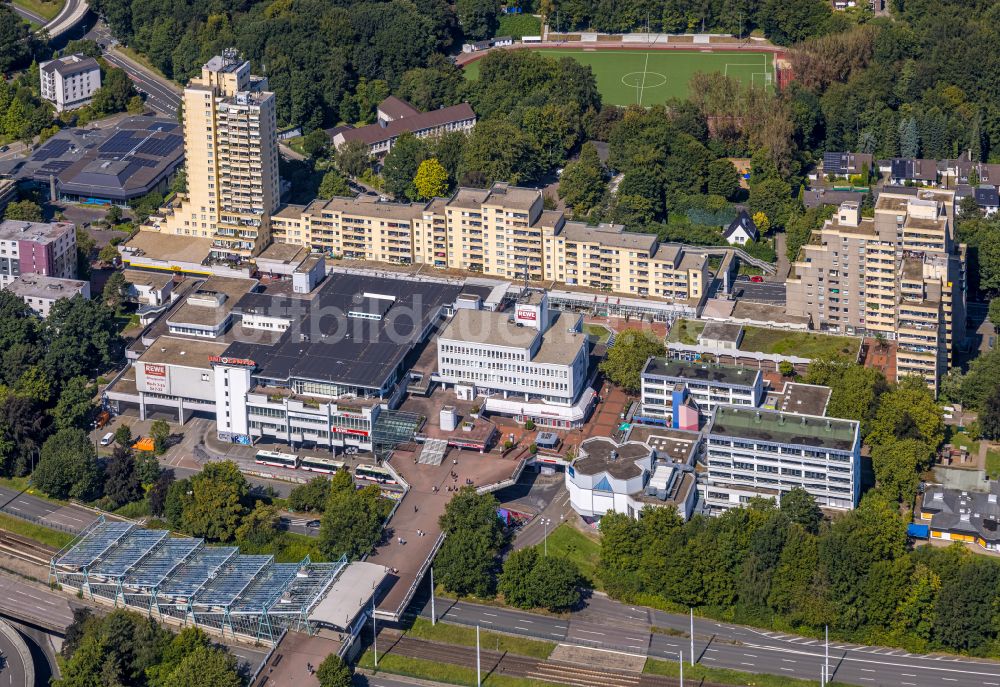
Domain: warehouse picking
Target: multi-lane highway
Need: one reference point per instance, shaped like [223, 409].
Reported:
[27, 14]
[609, 625]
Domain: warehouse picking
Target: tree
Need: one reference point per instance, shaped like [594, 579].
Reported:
[800, 507]
[517, 161]
[115, 93]
[722, 178]
[897, 465]
[762, 222]
[401, 165]
[136, 105]
[24, 211]
[311, 496]
[82, 339]
[261, 526]
[555, 582]
[160, 432]
[908, 413]
[315, 143]
[352, 521]
[122, 484]
[467, 559]
[962, 613]
[786, 23]
[157, 493]
[67, 466]
[115, 289]
[627, 358]
[109, 256]
[15, 40]
[333, 184]
[994, 313]
[429, 88]
[478, 18]
[582, 182]
[123, 435]
[909, 138]
[773, 197]
[989, 262]
[786, 369]
[431, 180]
[515, 580]
[334, 672]
[217, 502]
[989, 417]
[856, 389]
[353, 158]
[206, 666]
[178, 494]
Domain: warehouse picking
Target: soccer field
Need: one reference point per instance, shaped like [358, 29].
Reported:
[649, 77]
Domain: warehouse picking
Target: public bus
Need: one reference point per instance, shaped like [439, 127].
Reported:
[320, 464]
[374, 473]
[277, 460]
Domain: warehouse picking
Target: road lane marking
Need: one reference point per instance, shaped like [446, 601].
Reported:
[788, 660]
[790, 670]
[591, 632]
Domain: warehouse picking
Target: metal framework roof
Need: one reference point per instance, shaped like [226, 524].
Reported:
[183, 578]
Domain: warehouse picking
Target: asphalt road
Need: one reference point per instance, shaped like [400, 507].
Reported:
[32, 17]
[24, 601]
[614, 626]
[26, 506]
[12, 667]
[764, 292]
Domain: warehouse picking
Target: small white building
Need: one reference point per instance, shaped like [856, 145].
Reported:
[625, 478]
[70, 81]
[40, 292]
[742, 230]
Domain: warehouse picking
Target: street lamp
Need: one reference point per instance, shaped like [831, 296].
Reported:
[545, 536]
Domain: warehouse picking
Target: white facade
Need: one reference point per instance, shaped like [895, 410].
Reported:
[69, 82]
[763, 453]
[709, 384]
[40, 293]
[625, 478]
[524, 366]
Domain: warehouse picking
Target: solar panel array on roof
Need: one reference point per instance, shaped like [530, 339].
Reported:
[159, 146]
[130, 550]
[121, 143]
[162, 126]
[52, 149]
[55, 166]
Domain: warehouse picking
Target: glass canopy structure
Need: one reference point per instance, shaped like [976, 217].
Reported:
[184, 579]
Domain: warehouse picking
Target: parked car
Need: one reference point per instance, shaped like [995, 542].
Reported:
[756, 279]
[107, 439]
[312, 524]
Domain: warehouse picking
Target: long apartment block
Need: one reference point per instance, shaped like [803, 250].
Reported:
[231, 153]
[502, 231]
[898, 275]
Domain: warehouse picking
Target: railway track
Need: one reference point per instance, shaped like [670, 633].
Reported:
[25, 549]
[500, 663]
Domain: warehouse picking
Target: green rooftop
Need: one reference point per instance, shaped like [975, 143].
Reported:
[774, 341]
[783, 428]
[715, 373]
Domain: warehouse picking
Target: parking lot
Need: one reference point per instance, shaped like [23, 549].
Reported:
[759, 292]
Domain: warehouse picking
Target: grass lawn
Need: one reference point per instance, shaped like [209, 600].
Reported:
[442, 672]
[39, 533]
[960, 439]
[466, 636]
[801, 344]
[597, 331]
[685, 332]
[724, 676]
[141, 59]
[582, 549]
[993, 463]
[519, 25]
[40, 7]
[625, 77]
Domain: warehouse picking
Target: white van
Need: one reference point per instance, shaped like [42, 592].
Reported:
[107, 438]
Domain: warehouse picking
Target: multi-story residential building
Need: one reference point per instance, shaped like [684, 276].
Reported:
[397, 117]
[40, 292]
[231, 149]
[898, 275]
[27, 248]
[70, 81]
[502, 231]
[531, 365]
[668, 384]
[753, 452]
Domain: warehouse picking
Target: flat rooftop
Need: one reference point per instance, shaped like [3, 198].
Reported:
[39, 232]
[714, 373]
[676, 445]
[606, 455]
[167, 247]
[326, 345]
[227, 289]
[608, 235]
[559, 346]
[803, 399]
[285, 253]
[152, 280]
[170, 350]
[722, 331]
[41, 286]
[119, 163]
[783, 428]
